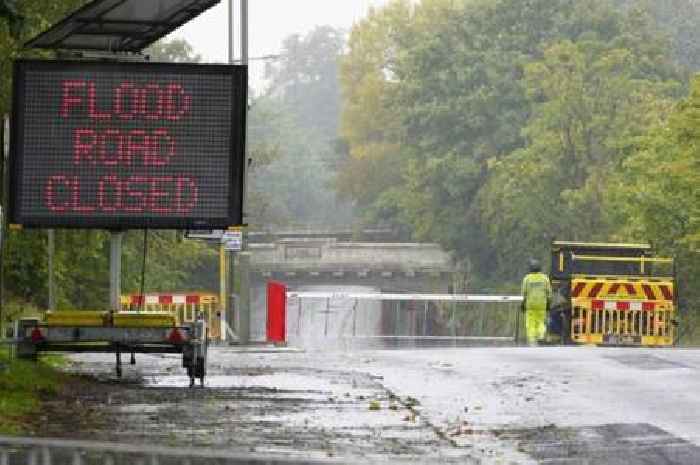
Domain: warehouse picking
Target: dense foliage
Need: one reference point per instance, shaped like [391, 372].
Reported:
[499, 125]
[292, 131]
[489, 126]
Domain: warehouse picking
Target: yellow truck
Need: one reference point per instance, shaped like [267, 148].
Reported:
[612, 294]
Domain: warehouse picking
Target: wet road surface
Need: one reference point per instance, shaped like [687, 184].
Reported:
[572, 405]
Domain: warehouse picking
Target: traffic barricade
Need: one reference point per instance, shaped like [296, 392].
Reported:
[624, 312]
[184, 307]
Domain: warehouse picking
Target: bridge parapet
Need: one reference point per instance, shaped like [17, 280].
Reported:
[331, 256]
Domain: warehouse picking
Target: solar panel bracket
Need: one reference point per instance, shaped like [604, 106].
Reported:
[92, 55]
[119, 25]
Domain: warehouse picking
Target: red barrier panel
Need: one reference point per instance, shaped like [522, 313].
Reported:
[276, 312]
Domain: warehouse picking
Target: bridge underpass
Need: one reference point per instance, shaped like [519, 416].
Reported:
[337, 264]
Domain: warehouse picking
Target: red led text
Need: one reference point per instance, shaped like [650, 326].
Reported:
[112, 194]
[124, 146]
[166, 102]
[112, 147]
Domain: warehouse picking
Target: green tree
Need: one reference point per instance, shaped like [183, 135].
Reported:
[295, 123]
[657, 198]
[174, 51]
[481, 96]
[35, 17]
[678, 19]
[369, 145]
[590, 105]
[305, 78]
[9, 11]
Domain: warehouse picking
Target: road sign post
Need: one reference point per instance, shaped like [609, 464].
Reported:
[232, 241]
[231, 244]
[242, 291]
[115, 269]
[51, 234]
[4, 154]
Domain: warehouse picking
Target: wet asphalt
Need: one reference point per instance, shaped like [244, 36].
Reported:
[550, 405]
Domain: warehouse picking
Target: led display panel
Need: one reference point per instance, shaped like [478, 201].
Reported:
[127, 145]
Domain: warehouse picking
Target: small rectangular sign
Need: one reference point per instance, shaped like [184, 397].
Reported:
[127, 145]
[233, 246]
[233, 241]
[204, 234]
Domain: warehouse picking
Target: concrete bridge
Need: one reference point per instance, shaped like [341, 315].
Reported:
[318, 261]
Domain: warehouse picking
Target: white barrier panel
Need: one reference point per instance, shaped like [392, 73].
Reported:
[354, 317]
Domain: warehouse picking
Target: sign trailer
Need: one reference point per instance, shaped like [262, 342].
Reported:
[117, 145]
[114, 145]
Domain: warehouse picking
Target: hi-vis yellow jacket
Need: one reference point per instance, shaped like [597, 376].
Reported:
[536, 292]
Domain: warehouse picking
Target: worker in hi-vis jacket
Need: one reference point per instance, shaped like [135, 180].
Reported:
[537, 294]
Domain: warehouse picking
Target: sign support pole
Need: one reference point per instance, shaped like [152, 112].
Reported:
[4, 153]
[226, 257]
[51, 233]
[222, 288]
[244, 32]
[244, 260]
[230, 32]
[241, 286]
[115, 269]
[239, 308]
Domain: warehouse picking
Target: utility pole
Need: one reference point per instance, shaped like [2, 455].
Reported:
[230, 33]
[239, 294]
[244, 263]
[238, 309]
[226, 302]
[244, 34]
[115, 269]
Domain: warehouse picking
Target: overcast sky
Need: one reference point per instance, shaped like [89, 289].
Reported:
[270, 21]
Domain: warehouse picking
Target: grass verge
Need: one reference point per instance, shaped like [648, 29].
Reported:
[22, 386]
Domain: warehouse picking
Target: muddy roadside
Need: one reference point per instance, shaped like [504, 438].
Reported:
[29, 389]
[291, 410]
[73, 408]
